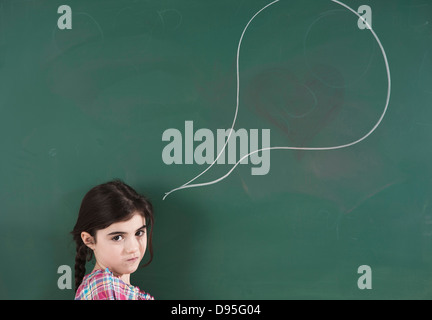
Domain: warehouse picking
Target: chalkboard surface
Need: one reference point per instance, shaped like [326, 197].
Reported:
[338, 205]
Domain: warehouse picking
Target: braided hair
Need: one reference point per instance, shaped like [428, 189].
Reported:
[103, 205]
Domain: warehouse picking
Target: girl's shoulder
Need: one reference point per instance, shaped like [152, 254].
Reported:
[103, 285]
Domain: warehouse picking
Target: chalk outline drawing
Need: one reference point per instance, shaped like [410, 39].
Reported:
[188, 185]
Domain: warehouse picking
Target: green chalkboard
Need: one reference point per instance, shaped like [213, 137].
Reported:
[338, 94]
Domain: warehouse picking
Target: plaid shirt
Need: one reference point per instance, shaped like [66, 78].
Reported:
[103, 285]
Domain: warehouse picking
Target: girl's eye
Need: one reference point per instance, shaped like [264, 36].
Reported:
[140, 233]
[117, 238]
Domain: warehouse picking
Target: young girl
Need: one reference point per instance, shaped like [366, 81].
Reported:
[112, 225]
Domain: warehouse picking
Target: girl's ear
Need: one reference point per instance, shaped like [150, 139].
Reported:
[88, 240]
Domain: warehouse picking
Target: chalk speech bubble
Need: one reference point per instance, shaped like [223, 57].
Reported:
[369, 27]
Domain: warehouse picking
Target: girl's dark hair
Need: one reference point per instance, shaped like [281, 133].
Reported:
[103, 205]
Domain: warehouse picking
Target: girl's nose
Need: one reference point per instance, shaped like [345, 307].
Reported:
[131, 246]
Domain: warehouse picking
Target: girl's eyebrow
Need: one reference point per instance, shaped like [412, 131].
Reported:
[116, 232]
[123, 232]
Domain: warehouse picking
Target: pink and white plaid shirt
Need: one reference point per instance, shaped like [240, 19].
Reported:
[103, 285]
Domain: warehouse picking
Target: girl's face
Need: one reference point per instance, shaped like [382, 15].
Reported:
[119, 247]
